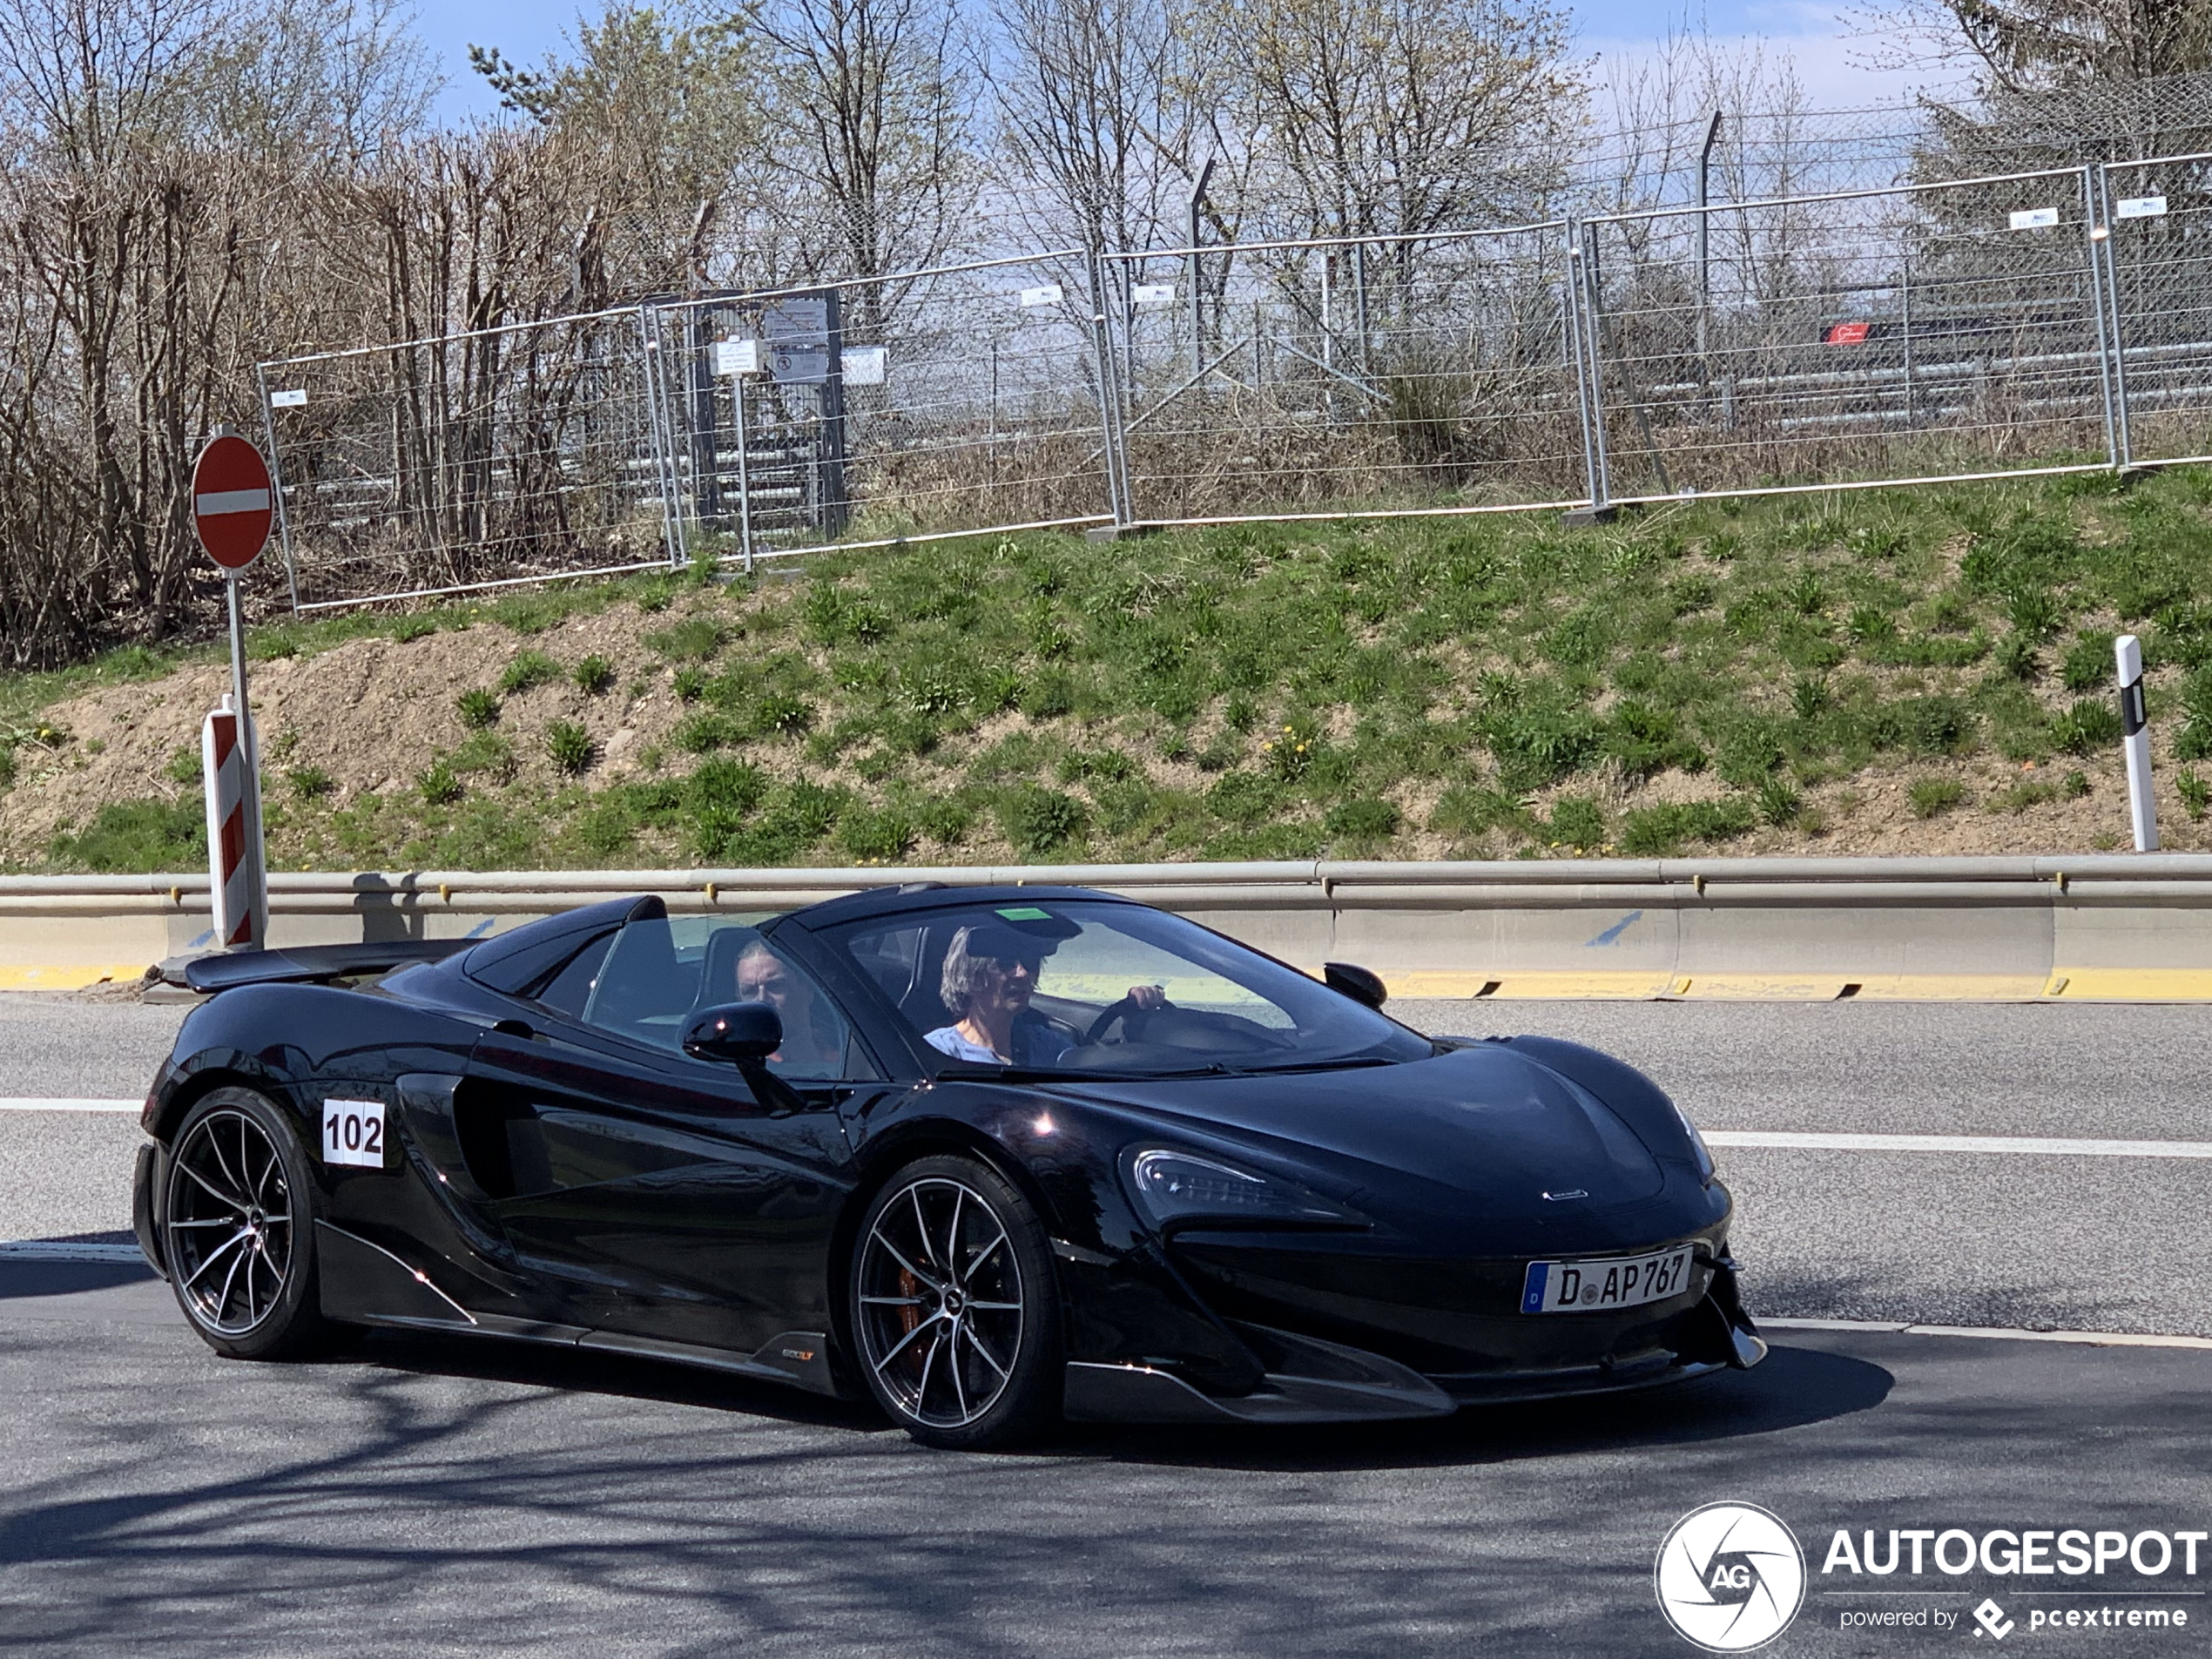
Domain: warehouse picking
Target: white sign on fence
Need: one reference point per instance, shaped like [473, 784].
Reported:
[738, 357]
[864, 365]
[2035, 218]
[295, 399]
[1153, 293]
[1049, 295]
[2139, 208]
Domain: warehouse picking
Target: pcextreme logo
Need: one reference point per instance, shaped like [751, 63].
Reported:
[1730, 1577]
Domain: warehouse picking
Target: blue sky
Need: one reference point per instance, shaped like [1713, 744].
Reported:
[1822, 45]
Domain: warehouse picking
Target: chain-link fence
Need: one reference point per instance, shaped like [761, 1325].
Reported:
[2044, 319]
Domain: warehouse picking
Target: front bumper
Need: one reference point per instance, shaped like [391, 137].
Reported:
[1384, 1358]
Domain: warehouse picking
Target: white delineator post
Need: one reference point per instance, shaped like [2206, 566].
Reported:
[236, 886]
[2134, 739]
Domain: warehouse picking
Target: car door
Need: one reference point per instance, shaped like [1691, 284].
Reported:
[656, 1192]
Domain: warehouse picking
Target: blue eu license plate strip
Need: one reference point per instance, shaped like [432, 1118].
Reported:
[1605, 1283]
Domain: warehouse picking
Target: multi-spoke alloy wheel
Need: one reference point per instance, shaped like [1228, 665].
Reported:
[238, 1232]
[953, 1305]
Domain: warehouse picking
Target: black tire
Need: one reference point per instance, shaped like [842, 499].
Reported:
[237, 1231]
[954, 1308]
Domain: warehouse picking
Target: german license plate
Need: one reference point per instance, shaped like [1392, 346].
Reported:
[1609, 1282]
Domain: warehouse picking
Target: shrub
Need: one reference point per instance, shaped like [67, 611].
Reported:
[2034, 614]
[1037, 821]
[1645, 740]
[698, 733]
[439, 785]
[1932, 797]
[882, 834]
[485, 752]
[571, 747]
[2196, 792]
[311, 783]
[782, 715]
[594, 676]
[1244, 798]
[1779, 803]
[1097, 765]
[529, 671]
[478, 707]
[693, 682]
[2089, 663]
[1659, 832]
[2091, 723]
[137, 836]
[694, 639]
[1367, 818]
[726, 785]
[1049, 693]
[1577, 821]
[1929, 725]
[1466, 810]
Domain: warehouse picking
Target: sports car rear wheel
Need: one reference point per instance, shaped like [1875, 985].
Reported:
[239, 1229]
[954, 1306]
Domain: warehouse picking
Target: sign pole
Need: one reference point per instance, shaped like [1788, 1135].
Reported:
[232, 502]
[257, 875]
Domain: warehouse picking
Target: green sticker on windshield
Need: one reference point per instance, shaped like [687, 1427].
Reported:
[1026, 912]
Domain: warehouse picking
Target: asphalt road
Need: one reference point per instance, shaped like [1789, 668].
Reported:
[413, 1497]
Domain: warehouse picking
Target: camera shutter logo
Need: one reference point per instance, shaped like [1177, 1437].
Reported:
[1730, 1577]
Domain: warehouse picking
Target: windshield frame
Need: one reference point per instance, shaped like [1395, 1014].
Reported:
[1241, 964]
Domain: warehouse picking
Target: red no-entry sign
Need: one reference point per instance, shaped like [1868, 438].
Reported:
[231, 500]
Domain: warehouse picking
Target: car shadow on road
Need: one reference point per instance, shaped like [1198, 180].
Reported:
[551, 1365]
[1793, 1388]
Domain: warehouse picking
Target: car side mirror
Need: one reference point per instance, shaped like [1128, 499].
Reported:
[1360, 984]
[738, 1033]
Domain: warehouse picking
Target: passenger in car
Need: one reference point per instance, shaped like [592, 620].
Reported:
[813, 1031]
[990, 974]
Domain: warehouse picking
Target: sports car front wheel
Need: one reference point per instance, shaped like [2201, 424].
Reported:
[238, 1231]
[954, 1308]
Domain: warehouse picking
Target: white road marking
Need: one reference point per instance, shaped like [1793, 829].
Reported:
[2026, 1145]
[60, 1250]
[2088, 1338]
[67, 1104]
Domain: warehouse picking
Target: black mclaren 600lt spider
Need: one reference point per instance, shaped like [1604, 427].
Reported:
[993, 1156]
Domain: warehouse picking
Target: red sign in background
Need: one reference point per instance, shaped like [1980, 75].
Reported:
[232, 502]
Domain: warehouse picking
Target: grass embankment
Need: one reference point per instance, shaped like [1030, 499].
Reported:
[1927, 670]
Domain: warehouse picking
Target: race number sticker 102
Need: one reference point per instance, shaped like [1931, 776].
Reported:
[353, 1132]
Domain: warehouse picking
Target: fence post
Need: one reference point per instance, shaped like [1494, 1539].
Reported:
[659, 436]
[2106, 261]
[1110, 402]
[2095, 231]
[1582, 335]
[276, 481]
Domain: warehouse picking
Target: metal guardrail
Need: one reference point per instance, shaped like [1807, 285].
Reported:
[2118, 926]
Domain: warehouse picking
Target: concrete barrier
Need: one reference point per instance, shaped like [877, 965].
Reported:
[2116, 927]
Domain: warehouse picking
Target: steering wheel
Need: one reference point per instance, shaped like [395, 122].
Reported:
[1126, 1010]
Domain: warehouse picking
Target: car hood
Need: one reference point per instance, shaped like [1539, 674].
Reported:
[1485, 1122]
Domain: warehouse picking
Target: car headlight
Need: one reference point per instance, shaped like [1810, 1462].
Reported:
[1697, 1147]
[1181, 1186]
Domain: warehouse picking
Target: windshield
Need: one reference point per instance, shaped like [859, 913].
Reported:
[1108, 988]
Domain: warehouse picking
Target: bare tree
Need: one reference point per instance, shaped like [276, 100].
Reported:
[1400, 118]
[872, 100]
[1094, 110]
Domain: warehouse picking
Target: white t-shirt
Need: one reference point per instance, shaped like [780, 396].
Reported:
[1035, 1044]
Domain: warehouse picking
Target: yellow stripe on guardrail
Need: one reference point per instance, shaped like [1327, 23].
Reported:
[68, 976]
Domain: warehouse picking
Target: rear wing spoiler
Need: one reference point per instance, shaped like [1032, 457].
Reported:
[304, 964]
